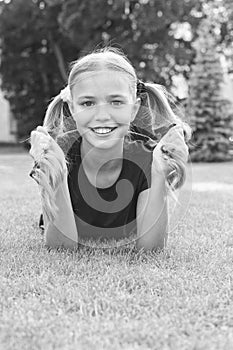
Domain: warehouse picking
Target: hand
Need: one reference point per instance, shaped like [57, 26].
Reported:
[172, 145]
[43, 144]
[49, 158]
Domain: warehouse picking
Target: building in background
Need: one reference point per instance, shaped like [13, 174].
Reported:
[8, 125]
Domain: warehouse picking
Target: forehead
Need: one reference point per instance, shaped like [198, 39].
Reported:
[102, 82]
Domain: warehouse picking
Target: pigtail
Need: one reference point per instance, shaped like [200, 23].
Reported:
[54, 117]
[162, 115]
[50, 170]
[50, 173]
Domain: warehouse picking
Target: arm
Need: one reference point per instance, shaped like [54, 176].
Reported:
[152, 214]
[63, 231]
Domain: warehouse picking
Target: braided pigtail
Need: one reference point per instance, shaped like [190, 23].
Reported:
[156, 108]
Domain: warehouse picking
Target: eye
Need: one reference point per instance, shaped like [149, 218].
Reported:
[117, 102]
[87, 103]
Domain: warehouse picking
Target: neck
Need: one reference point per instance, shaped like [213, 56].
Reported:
[101, 159]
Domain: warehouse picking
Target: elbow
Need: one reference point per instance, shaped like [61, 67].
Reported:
[146, 243]
[55, 240]
[51, 244]
[54, 244]
[145, 246]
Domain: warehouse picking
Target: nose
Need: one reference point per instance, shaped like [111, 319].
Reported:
[102, 112]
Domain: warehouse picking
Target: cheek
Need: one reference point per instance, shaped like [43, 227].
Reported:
[124, 112]
[81, 117]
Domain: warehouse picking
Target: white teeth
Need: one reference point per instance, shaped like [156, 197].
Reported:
[102, 130]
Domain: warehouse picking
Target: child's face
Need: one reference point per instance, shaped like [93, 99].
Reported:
[103, 107]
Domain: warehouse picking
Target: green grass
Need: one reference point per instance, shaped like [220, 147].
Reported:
[118, 298]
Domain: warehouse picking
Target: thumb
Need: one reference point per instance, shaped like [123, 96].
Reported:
[43, 130]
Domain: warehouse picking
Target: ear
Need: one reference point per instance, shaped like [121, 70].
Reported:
[135, 109]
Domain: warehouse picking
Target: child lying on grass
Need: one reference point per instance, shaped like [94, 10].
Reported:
[112, 175]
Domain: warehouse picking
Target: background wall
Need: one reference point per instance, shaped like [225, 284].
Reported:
[7, 122]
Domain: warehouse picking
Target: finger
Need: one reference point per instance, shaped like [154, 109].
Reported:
[43, 130]
[175, 131]
[35, 132]
[175, 150]
[31, 153]
[41, 138]
[37, 136]
[32, 136]
[176, 138]
[179, 147]
[176, 141]
[34, 153]
[177, 128]
[44, 146]
[39, 144]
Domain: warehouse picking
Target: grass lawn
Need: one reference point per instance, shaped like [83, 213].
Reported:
[118, 298]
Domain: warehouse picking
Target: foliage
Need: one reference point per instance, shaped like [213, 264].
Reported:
[145, 30]
[211, 115]
[39, 38]
[227, 31]
[32, 52]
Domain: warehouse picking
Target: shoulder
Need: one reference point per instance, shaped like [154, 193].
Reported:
[72, 154]
[73, 150]
[69, 143]
[140, 146]
[139, 156]
[142, 137]
[149, 139]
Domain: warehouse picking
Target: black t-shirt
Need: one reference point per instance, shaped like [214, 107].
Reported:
[110, 212]
[110, 218]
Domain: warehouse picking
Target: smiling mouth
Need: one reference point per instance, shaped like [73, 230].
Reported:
[103, 131]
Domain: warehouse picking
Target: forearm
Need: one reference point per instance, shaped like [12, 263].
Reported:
[62, 232]
[152, 227]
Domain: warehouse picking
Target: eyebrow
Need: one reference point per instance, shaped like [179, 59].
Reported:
[93, 97]
[85, 96]
[117, 95]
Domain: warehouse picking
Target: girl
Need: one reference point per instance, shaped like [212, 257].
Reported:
[110, 176]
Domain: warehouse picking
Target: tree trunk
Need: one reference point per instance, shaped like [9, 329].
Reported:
[60, 60]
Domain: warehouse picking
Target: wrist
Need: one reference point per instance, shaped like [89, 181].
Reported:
[158, 170]
[158, 177]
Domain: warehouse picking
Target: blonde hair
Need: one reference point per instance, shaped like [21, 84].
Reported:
[154, 112]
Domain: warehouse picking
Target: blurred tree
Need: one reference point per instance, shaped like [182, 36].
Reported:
[227, 30]
[40, 38]
[155, 34]
[33, 56]
[210, 114]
